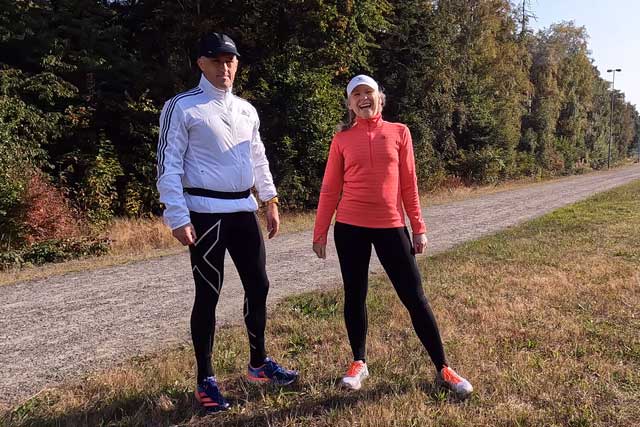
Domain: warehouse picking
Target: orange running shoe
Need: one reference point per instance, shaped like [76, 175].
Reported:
[355, 375]
[454, 382]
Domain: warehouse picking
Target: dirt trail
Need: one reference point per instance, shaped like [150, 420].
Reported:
[61, 327]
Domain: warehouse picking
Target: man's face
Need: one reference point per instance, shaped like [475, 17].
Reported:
[220, 71]
[364, 101]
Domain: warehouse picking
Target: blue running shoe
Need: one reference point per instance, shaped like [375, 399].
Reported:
[209, 396]
[271, 372]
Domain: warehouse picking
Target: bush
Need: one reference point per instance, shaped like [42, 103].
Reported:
[484, 166]
[12, 186]
[525, 165]
[569, 153]
[98, 192]
[46, 213]
[22, 129]
[54, 250]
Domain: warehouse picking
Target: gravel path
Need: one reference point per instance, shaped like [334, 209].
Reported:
[59, 328]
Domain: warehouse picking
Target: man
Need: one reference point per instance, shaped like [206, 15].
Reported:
[210, 155]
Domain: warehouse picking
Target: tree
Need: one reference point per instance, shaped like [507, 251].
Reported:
[82, 83]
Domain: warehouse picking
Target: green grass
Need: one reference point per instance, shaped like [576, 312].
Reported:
[542, 318]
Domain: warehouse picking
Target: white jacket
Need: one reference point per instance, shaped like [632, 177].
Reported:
[209, 139]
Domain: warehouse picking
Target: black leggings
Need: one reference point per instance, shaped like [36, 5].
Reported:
[394, 249]
[240, 234]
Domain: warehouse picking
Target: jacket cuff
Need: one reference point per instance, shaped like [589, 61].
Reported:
[320, 239]
[420, 228]
[175, 224]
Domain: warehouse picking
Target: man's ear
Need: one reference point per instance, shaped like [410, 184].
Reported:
[199, 62]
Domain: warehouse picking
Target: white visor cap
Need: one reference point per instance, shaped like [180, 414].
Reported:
[361, 79]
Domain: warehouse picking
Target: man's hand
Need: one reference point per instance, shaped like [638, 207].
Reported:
[419, 242]
[185, 234]
[273, 219]
[320, 249]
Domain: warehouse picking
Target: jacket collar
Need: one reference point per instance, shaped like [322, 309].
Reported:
[213, 91]
[374, 121]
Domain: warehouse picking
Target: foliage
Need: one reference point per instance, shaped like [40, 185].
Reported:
[55, 250]
[98, 189]
[22, 131]
[486, 166]
[82, 84]
[45, 212]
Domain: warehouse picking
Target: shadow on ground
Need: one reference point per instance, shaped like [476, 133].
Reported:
[181, 408]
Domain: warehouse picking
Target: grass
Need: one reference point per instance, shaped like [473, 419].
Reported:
[542, 318]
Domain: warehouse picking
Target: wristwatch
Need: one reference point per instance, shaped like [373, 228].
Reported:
[272, 200]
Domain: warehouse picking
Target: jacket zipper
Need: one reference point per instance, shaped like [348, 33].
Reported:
[370, 136]
[234, 135]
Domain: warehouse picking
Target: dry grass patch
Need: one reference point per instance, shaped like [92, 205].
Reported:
[140, 235]
[543, 319]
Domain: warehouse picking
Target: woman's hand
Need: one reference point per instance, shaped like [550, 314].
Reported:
[419, 242]
[320, 249]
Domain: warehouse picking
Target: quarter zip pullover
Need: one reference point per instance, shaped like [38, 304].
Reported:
[370, 178]
[209, 139]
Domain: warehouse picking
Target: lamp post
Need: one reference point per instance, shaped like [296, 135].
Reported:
[613, 85]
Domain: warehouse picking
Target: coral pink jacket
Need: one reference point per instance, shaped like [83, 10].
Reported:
[372, 166]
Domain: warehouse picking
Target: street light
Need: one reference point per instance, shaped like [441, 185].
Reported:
[613, 84]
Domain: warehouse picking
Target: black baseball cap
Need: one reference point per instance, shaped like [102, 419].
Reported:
[213, 44]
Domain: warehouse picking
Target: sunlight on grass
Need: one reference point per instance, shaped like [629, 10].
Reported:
[542, 318]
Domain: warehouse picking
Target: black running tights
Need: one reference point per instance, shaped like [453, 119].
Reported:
[240, 234]
[394, 249]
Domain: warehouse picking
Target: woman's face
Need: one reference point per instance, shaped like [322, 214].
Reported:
[364, 101]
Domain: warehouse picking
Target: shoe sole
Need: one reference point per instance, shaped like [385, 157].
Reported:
[257, 380]
[354, 387]
[351, 387]
[461, 394]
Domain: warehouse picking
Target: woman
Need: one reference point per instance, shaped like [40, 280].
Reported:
[369, 177]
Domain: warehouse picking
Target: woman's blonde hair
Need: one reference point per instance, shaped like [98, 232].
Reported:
[351, 116]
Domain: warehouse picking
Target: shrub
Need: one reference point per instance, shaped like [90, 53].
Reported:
[22, 129]
[54, 250]
[12, 186]
[525, 165]
[98, 191]
[46, 213]
[484, 166]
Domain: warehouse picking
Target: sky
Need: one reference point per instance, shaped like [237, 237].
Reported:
[614, 35]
